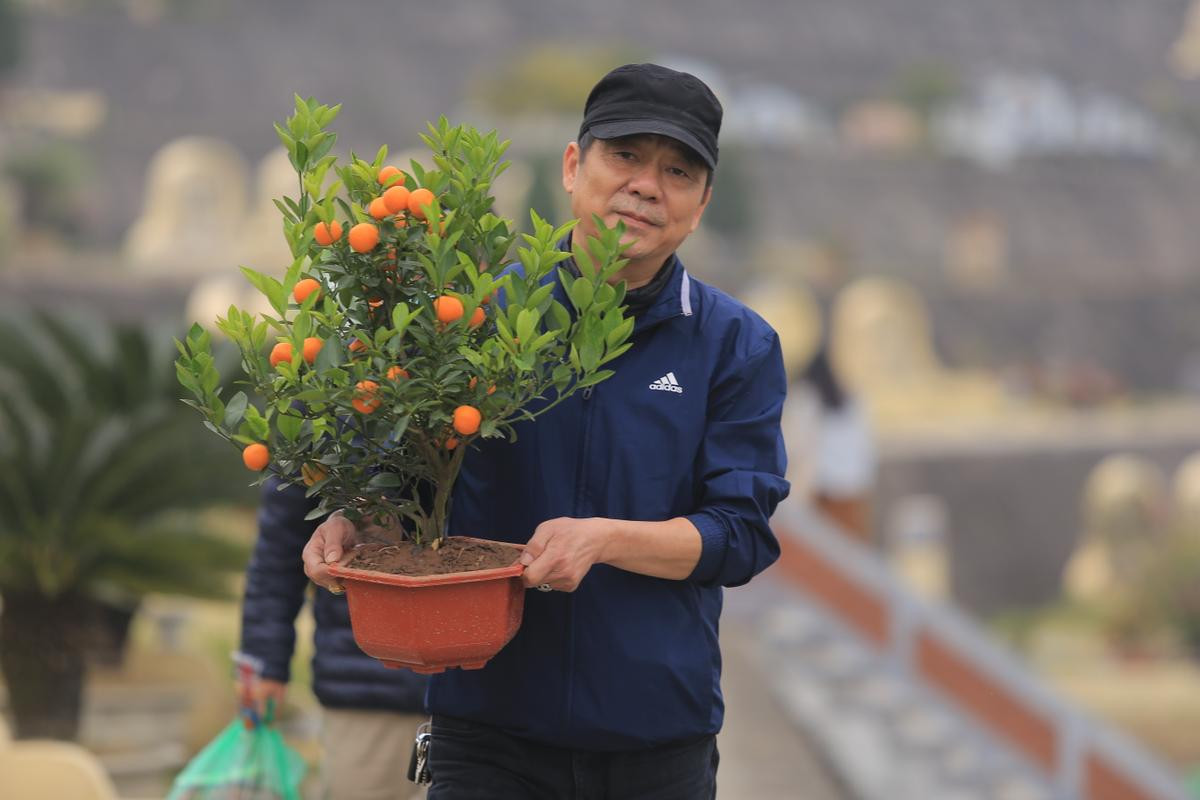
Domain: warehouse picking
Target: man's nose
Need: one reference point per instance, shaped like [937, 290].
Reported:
[644, 182]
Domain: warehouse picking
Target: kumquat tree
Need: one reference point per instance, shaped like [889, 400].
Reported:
[404, 329]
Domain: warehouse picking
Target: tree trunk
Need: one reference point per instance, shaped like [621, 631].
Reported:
[107, 634]
[42, 657]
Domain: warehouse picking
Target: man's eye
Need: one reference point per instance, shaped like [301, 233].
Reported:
[676, 171]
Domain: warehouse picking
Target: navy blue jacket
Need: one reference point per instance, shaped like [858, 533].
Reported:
[343, 676]
[688, 426]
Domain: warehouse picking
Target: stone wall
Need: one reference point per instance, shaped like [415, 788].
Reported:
[1013, 510]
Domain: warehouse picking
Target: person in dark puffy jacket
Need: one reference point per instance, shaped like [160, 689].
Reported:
[369, 712]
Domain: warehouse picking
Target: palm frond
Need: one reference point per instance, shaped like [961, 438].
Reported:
[24, 367]
[166, 555]
[95, 447]
[79, 355]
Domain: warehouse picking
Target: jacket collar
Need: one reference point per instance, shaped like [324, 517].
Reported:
[675, 299]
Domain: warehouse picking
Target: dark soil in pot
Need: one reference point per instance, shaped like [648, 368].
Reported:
[454, 555]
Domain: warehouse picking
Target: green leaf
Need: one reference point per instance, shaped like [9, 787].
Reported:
[543, 340]
[285, 138]
[385, 480]
[271, 289]
[310, 396]
[302, 326]
[287, 213]
[619, 333]
[594, 378]
[288, 426]
[199, 338]
[589, 356]
[255, 424]
[562, 317]
[583, 258]
[581, 293]
[526, 321]
[210, 379]
[186, 379]
[402, 316]
[470, 355]
[320, 145]
[328, 115]
[539, 295]
[332, 355]
[299, 157]
[614, 354]
[235, 410]
[503, 329]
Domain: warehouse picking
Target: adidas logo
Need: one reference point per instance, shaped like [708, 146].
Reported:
[667, 383]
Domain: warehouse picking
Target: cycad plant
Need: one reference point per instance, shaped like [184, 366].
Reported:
[98, 459]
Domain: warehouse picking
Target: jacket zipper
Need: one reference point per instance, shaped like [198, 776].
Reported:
[577, 510]
[580, 489]
[581, 464]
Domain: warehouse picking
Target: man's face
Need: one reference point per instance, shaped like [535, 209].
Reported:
[645, 181]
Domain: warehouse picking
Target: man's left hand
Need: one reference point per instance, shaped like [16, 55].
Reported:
[562, 550]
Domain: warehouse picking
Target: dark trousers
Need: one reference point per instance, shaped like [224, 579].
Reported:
[470, 761]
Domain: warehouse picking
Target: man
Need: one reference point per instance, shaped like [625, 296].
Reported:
[645, 495]
[367, 710]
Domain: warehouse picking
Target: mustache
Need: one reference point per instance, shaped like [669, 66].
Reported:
[649, 216]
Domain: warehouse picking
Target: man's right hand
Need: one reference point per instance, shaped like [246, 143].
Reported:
[327, 545]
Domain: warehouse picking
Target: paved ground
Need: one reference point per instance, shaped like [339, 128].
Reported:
[763, 755]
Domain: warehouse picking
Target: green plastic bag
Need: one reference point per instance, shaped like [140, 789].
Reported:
[247, 761]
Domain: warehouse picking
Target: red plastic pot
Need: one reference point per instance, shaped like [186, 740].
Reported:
[431, 622]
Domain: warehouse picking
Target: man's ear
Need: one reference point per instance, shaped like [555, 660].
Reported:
[571, 157]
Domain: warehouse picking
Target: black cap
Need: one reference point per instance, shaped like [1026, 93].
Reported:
[648, 98]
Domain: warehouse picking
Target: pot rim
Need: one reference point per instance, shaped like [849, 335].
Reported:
[343, 572]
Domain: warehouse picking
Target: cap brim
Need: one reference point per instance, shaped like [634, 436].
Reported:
[628, 127]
